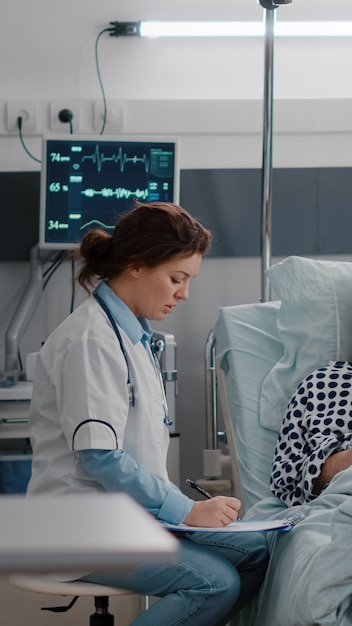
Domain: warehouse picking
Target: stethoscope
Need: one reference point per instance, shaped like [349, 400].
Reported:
[155, 360]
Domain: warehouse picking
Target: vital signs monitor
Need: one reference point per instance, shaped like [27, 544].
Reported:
[86, 182]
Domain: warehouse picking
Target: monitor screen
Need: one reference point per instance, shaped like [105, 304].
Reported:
[87, 182]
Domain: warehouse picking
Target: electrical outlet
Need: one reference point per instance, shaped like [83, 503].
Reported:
[114, 117]
[64, 127]
[24, 109]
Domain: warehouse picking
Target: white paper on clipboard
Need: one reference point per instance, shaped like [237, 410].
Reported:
[242, 526]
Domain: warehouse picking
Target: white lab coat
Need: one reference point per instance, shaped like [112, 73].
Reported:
[80, 401]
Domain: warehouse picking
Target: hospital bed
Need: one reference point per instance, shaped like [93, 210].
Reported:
[262, 351]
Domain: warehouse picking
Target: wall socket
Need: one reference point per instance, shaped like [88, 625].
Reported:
[114, 117]
[62, 127]
[24, 109]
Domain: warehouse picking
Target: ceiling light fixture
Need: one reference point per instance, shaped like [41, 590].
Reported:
[229, 29]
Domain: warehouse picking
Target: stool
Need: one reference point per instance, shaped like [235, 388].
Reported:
[101, 593]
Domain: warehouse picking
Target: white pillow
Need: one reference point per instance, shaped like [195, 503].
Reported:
[314, 325]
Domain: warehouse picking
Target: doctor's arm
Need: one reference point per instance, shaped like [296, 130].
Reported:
[116, 470]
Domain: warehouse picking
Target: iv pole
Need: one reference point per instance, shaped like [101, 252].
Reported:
[266, 215]
[213, 459]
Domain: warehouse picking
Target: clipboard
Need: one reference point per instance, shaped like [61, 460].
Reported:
[282, 525]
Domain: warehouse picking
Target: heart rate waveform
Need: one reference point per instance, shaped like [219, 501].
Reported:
[119, 193]
[97, 224]
[99, 158]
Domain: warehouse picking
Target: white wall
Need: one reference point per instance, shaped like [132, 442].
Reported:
[209, 93]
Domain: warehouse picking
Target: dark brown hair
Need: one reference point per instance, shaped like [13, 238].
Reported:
[147, 235]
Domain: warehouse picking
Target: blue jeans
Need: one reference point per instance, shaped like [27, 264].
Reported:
[213, 576]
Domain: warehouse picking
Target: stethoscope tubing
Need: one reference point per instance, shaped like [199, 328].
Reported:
[123, 350]
[157, 368]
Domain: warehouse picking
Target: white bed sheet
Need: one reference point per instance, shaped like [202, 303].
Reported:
[309, 579]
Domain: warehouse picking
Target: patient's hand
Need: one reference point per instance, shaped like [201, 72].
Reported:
[333, 464]
[215, 512]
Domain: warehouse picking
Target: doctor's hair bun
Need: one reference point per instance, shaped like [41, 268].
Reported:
[95, 241]
[94, 255]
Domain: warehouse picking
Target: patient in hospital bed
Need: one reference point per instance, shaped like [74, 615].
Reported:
[290, 440]
[315, 440]
[309, 579]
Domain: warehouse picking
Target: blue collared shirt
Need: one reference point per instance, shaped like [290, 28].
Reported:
[136, 328]
[116, 470]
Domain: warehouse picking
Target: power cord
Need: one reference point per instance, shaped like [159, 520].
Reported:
[55, 264]
[65, 115]
[111, 31]
[63, 255]
[19, 125]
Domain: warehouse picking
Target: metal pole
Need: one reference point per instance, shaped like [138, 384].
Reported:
[267, 154]
[24, 312]
[211, 395]
[266, 217]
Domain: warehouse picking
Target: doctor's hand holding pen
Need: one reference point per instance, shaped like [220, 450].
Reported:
[213, 512]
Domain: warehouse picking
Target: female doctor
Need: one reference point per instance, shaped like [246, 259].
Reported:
[97, 415]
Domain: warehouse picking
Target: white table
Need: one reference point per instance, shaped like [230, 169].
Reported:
[43, 533]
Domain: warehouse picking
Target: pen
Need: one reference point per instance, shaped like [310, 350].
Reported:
[197, 488]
